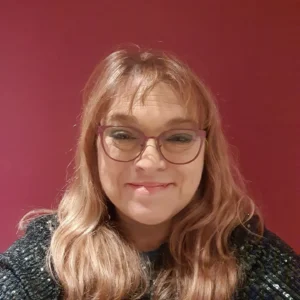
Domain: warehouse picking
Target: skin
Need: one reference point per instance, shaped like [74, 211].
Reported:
[146, 214]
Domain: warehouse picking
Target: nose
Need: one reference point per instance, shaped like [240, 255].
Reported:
[150, 158]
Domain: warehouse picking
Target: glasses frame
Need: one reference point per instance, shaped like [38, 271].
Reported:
[145, 138]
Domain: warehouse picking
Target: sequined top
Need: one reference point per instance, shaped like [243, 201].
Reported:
[272, 269]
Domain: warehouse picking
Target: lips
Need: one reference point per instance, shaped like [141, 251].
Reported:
[149, 184]
[148, 188]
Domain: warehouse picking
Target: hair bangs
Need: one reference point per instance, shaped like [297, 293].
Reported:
[134, 84]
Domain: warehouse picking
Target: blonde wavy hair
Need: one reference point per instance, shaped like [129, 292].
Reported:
[90, 256]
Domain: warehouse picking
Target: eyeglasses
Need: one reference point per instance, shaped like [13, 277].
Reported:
[177, 146]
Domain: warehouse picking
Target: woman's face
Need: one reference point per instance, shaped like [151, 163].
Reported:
[149, 190]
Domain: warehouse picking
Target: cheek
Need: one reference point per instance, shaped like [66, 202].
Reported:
[190, 183]
[110, 174]
[191, 178]
[107, 169]
[106, 166]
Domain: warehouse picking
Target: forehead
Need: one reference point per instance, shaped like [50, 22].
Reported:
[161, 104]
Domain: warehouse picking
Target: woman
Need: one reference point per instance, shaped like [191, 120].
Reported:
[155, 208]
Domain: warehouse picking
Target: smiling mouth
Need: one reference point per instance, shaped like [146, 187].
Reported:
[149, 184]
[149, 188]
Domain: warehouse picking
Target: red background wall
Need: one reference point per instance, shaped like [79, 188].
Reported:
[246, 51]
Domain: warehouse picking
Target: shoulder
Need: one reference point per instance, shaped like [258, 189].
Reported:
[269, 268]
[23, 273]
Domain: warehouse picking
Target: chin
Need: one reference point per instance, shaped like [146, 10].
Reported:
[151, 220]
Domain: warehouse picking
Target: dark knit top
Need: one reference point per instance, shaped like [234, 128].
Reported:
[272, 268]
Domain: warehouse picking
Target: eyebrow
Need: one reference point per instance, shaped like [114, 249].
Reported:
[132, 119]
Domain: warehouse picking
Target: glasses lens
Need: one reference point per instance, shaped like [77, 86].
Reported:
[180, 146]
[122, 143]
[177, 146]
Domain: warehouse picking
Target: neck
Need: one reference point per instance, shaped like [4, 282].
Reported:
[144, 237]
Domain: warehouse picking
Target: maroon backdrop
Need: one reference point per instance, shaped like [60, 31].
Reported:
[246, 51]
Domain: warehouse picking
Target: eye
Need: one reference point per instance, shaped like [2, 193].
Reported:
[122, 135]
[180, 138]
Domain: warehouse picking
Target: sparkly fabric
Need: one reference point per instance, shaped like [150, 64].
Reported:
[23, 275]
[271, 270]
